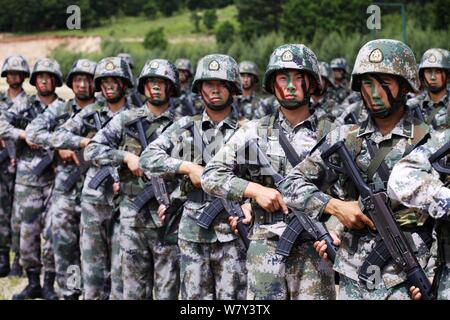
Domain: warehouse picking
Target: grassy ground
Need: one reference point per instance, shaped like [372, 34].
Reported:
[136, 27]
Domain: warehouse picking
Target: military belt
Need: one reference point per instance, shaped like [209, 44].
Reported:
[264, 217]
[130, 189]
[199, 196]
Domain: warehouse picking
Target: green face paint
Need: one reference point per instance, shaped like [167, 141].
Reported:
[377, 108]
[213, 96]
[154, 88]
[289, 100]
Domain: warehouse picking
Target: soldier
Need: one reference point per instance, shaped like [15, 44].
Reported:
[341, 87]
[292, 75]
[212, 262]
[434, 72]
[248, 102]
[32, 191]
[65, 207]
[112, 78]
[134, 96]
[384, 72]
[147, 261]
[323, 102]
[415, 184]
[15, 69]
[189, 103]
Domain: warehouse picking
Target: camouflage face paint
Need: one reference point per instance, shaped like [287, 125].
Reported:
[216, 94]
[156, 90]
[290, 89]
[45, 84]
[435, 79]
[83, 87]
[112, 89]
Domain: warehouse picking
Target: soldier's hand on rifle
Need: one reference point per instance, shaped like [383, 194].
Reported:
[84, 142]
[132, 161]
[68, 156]
[162, 212]
[349, 214]
[2, 143]
[32, 145]
[194, 171]
[247, 210]
[22, 135]
[321, 246]
[415, 293]
[116, 187]
[13, 162]
[268, 198]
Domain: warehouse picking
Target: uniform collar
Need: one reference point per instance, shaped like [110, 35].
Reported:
[310, 122]
[404, 128]
[230, 121]
[427, 102]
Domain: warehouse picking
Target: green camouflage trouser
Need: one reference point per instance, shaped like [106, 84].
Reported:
[65, 212]
[350, 289]
[32, 204]
[148, 264]
[95, 245]
[303, 275]
[212, 270]
[116, 263]
[6, 199]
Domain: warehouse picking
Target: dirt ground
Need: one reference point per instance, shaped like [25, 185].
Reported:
[35, 47]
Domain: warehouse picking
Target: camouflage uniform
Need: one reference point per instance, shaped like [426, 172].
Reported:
[303, 275]
[32, 193]
[65, 208]
[188, 103]
[146, 260]
[96, 205]
[247, 105]
[212, 262]
[415, 184]
[301, 186]
[436, 114]
[341, 91]
[9, 225]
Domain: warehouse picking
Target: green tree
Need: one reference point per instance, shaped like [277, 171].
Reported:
[210, 18]
[150, 9]
[225, 32]
[196, 18]
[155, 39]
[258, 17]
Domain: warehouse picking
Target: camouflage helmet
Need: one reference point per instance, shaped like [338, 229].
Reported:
[386, 56]
[339, 63]
[185, 64]
[160, 68]
[291, 56]
[113, 67]
[249, 67]
[128, 58]
[83, 66]
[434, 58]
[218, 67]
[15, 63]
[49, 66]
[325, 71]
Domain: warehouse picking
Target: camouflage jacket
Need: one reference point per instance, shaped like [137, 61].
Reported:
[187, 103]
[357, 108]
[10, 128]
[247, 106]
[440, 110]
[108, 148]
[164, 156]
[341, 91]
[220, 179]
[326, 108]
[69, 136]
[415, 184]
[266, 106]
[301, 189]
[21, 98]
[41, 130]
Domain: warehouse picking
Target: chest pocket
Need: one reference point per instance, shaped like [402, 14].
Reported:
[131, 145]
